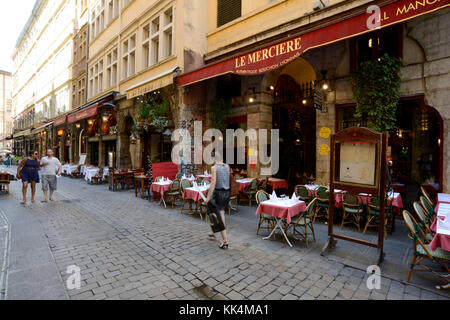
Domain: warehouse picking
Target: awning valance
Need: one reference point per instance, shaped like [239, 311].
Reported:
[154, 83]
[280, 53]
[22, 133]
[40, 129]
[83, 114]
[60, 121]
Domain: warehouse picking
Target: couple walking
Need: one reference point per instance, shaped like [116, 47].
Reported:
[28, 171]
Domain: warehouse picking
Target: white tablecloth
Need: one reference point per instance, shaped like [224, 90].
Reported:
[90, 173]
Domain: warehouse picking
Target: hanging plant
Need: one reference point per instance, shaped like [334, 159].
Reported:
[220, 112]
[153, 115]
[376, 91]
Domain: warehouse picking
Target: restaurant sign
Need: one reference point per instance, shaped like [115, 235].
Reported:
[279, 54]
[150, 86]
[60, 121]
[84, 114]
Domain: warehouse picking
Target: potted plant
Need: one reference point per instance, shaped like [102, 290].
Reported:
[153, 116]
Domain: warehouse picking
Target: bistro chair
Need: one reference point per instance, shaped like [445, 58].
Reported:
[76, 173]
[174, 192]
[373, 215]
[4, 182]
[234, 195]
[302, 192]
[270, 221]
[323, 203]
[98, 178]
[249, 192]
[263, 184]
[185, 183]
[301, 222]
[179, 176]
[352, 211]
[422, 252]
[199, 180]
[429, 208]
[426, 194]
[423, 222]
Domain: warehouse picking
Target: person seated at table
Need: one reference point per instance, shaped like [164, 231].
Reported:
[220, 191]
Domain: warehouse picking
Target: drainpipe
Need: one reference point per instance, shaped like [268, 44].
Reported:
[88, 37]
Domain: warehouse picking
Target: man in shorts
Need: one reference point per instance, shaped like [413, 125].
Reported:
[50, 167]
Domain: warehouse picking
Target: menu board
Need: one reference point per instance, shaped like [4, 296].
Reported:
[358, 163]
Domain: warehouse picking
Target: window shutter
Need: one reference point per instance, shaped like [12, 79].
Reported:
[228, 10]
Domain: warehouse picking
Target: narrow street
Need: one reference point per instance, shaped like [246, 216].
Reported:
[128, 248]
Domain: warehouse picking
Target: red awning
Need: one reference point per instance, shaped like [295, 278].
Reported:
[60, 121]
[83, 114]
[279, 54]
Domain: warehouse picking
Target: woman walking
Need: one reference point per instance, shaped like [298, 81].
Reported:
[28, 172]
[219, 191]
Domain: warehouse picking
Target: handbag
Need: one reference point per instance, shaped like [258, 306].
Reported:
[19, 170]
[214, 218]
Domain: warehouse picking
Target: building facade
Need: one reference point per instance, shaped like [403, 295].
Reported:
[288, 65]
[5, 109]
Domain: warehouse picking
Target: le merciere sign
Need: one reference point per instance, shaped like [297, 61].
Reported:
[279, 54]
[358, 165]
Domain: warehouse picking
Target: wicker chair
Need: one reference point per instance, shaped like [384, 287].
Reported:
[98, 178]
[234, 195]
[270, 221]
[323, 202]
[263, 184]
[302, 192]
[426, 194]
[352, 211]
[301, 222]
[374, 214]
[422, 252]
[423, 223]
[429, 208]
[249, 192]
[184, 185]
[174, 192]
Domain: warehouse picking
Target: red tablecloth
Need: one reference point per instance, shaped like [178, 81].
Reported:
[281, 211]
[193, 194]
[160, 188]
[278, 184]
[440, 240]
[243, 185]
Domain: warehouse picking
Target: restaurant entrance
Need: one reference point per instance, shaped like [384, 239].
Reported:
[295, 116]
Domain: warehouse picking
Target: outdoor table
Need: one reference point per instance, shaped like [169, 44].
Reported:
[69, 168]
[161, 187]
[205, 176]
[312, 189]
[193, 193]
[276, 183]
[142, 180]
[105, 173]
[243, 183]
[89, 173]
[281, 209]
[191, 179]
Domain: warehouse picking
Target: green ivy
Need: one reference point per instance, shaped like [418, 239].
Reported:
[153, 115]
[376, 90]
[220, 112]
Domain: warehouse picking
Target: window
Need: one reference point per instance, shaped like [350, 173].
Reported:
[373, 45]
[157, 39]
[74, 96]
[80, 93]
[129, 57]
[98, 20]
[111, 69]
[228, 10]
[113, 10]
[96, 79]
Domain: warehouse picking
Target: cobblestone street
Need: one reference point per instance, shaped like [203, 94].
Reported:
[128, 248]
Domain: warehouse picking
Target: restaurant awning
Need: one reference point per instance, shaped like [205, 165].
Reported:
[40, 129]
[154, 83]
[60, 121]
[22, 133]
[284, 51]
[83, 114]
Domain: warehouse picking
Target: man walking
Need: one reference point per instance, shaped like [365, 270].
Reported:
[49, 165]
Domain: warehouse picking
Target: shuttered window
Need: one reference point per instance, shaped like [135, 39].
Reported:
[228, 10]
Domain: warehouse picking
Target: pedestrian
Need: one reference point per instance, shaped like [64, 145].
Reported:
[51, 166]
[28, 172]
[219, 192]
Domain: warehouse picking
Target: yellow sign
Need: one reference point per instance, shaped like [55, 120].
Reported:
[324, 149]
[151, 86]
[325, 132]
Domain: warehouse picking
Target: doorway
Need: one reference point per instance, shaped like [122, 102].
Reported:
[93, 153]
[110, 153]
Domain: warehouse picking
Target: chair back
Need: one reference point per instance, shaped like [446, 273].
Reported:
[426, 194]
[254, 184]
[185, 183]
[413, 235]
[420, 213]
[323, 193]
[234, 187]
[350, 199]
[311, 208]
[206, 181]
[429, 208]
[175, 185]
[263, 184]
[301, 191]
[199, 180]
[261, 196]
[179, 176]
